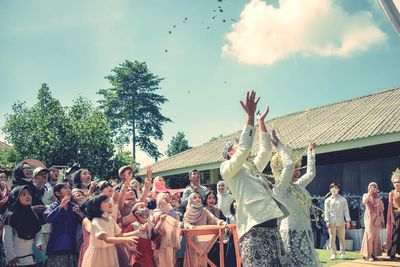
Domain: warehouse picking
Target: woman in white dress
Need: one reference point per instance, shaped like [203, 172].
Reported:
[295, 230]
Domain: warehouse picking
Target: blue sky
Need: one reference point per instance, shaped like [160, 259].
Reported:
[296, 54]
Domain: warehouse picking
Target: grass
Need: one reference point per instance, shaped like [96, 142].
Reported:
[324, 256]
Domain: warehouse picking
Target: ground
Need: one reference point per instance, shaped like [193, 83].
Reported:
[354, 259]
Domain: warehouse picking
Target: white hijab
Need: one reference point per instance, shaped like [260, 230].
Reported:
[224, 199]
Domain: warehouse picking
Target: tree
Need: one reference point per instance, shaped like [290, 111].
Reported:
[57, 135]
[39, 131]
[122, 158]
[9, 158]
[90, 137]
[178, 144]
[133, 107]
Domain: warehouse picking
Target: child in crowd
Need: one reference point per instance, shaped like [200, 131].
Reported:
[170, 240]
[104, 234]
[22, 229]
[64, 218]
[127, 196]
[145, 230]
[86, 226]
[105, 188]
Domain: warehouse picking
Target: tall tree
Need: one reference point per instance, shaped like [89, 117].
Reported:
[90, 137]
[133, 106]
[60, 135]
[39, 131]
[178, 144]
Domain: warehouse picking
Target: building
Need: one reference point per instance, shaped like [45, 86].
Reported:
[357, 141]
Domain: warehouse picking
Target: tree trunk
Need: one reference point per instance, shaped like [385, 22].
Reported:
[133, 141]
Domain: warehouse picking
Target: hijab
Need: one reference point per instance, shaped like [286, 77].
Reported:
[194, 213]
[376, 201]
[224, 199]
[22, 218]
[20, 179]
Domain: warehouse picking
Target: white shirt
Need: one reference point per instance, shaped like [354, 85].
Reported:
[336, 210]
[18, 247]
[256, 203]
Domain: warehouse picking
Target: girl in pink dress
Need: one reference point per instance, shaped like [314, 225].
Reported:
[86, 225]
[104, 234]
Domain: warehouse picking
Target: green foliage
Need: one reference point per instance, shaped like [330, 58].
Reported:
[133, 107]
[9, 158]
[178, 144]
[38, 132]
[58, 135]
[90, 137]
[122, 158]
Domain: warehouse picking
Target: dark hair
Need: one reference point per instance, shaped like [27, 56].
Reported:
[314, 201]
[333, 185]
[104, 184]
[192, 171]
[76, 176]
[232, 208]
[83, 206]
[139, 179]
[19, 171]
[93, 206]
[58, 187]
[100, 186]
[207, 194]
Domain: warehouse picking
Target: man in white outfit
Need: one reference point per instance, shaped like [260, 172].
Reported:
[258, 207]
[337, 219]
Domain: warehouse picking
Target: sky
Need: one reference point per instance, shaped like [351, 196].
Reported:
[296, 54]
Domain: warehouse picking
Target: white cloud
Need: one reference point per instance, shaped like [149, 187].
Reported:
[265, 34]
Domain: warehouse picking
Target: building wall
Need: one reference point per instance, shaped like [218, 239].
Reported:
[354, 177]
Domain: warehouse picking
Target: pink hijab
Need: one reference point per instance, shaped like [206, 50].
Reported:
[194, 213]
[375, 204]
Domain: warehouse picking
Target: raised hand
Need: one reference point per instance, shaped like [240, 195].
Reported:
[149, 173]
[251, 104]
[65, 201]
[311, 147]
[261, 117]
[274, 138]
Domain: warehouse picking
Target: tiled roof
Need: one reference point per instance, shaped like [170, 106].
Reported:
[363, 117]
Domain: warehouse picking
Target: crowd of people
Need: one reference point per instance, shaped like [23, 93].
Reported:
[48, 220]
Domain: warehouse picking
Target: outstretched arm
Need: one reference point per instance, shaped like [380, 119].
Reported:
[147, 184]
[310, 174]
[230, 167]
[265, 148]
